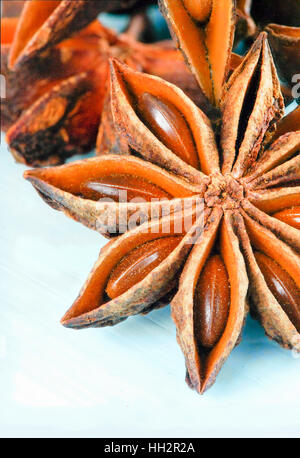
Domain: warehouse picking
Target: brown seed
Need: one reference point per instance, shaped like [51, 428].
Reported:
[212, 302]
[121, 187]
[290, 216]
[198, 9]
[169, 125]
[282, 286]
[137, 264]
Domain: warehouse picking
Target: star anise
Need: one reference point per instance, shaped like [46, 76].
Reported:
[263, 12]
[56, 93]
[29, 34]
[281, 20]
[47, 22]
[242, 248]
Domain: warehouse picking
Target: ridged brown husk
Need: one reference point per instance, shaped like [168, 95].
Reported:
[205, 45]
[58, 113]
[46, 23]
[237, 181]
[65, 87]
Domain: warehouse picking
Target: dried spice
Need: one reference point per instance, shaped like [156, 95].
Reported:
[28, 60]
[286, 90]
[206, 41]
[44, 23]
[282, 22]
[203, 45]
[61, 77]
[61, 103]
[209, 49]
[58, 114]
[237, 249]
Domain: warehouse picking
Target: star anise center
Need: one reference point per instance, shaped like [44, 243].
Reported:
[224, 191]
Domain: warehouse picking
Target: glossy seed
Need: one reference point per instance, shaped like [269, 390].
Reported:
[169, 125]
[290, 216]
[198, 9]
[137, 264]
[212, 302]
[121, 187]
[282, 286]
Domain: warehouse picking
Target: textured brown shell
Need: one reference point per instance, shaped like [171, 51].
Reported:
[202, 370]
[66, 17]
[242, 181]
[46, 76]
[52, 186]
[86, 312]
[187, 33]
[142, 140]
[67, 108]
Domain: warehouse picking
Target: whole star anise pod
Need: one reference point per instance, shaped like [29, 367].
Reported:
[56, 93]
[241, 249]
[282, 22]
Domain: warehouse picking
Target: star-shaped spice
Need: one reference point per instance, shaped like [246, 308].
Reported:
[56, 92]
[241, 248]
[282, 22]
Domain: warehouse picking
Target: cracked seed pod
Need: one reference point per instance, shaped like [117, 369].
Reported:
[242, 245]
[58, 114]
[236, 60]
[204, 31]
[43, 24]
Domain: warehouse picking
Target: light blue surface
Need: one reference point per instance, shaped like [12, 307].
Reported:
[122, 381]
